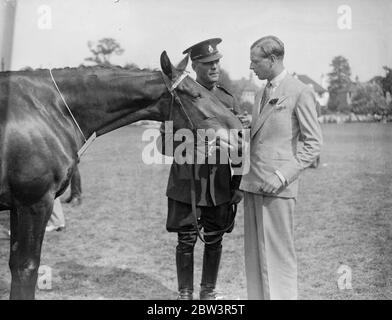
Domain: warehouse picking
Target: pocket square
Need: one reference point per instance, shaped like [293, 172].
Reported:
[277, 101]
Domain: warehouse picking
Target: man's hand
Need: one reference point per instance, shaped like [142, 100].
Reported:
[245, 120]
[237, 196]
[272, 184]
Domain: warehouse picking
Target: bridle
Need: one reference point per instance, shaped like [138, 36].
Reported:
[233, 207]
[171, 87]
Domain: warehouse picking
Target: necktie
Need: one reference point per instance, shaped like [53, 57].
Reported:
[266, 95]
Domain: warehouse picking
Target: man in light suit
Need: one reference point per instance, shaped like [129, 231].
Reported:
[284, 114]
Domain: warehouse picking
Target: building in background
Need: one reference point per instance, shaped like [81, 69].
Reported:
[345, 95]
[246, 89]
[321, 93]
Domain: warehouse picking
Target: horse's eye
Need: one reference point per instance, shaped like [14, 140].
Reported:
[192, 93]
[196, 96]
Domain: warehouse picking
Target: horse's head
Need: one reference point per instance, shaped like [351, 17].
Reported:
[194, 107]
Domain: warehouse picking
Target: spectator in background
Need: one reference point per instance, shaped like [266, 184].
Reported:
[75, 197]
[56, 221]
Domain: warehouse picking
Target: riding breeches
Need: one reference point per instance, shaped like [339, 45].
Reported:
[180, 217]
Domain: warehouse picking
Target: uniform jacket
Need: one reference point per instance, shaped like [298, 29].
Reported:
[214, 182]
[285, 136]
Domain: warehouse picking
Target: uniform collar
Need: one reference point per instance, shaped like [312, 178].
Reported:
[210, 89]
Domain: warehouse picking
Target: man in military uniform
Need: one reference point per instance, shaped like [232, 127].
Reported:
[216, 189]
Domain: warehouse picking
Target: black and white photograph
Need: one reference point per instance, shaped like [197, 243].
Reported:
[195, 150]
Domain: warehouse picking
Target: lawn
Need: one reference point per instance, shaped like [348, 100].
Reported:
[116, 246]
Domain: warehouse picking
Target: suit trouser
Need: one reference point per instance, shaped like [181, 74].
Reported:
[270, 259]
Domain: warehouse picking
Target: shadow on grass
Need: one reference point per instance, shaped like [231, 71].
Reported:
[95, 282]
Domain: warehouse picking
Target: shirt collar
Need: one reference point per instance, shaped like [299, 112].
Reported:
[275, 82]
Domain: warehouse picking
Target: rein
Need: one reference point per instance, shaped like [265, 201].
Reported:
[233, 207]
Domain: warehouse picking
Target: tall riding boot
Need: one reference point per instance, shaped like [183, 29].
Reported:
[211, 260]
[184, 261]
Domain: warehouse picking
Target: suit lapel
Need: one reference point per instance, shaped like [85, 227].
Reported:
[260, 118]
[256, 109]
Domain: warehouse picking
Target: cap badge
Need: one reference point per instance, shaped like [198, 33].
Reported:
[210, 49]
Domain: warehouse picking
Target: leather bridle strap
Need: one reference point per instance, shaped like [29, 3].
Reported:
[171, 88]
[233, 207]
[195, 210]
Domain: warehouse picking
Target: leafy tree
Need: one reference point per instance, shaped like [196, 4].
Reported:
[340, 76]
[131, 66]
[339, 79]
[27, 68]
[386, 82]
[103, 51]
[369, 98]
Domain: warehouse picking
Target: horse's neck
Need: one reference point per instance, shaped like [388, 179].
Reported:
[103, 100]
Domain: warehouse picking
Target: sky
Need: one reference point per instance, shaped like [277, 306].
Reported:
[54, 33]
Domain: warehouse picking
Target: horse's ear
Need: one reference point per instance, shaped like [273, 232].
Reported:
[166, 65]
[183, 64]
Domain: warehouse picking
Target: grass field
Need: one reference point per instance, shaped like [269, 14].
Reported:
[116, 246]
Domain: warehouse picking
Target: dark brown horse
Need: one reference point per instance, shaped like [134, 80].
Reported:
[39, 140]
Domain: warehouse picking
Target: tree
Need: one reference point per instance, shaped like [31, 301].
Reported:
[131, 66]
[386, 82]
[368, 98]
[103, 51]
[27, 68]
[339, 79]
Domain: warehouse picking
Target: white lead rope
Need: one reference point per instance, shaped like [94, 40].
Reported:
[87, 144]
[88, 141]
[69, 110]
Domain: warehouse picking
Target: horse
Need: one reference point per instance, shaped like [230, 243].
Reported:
[46, 117]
